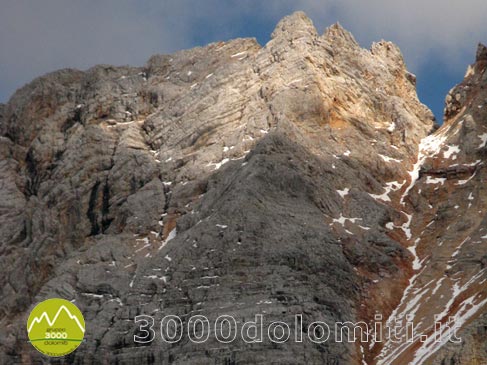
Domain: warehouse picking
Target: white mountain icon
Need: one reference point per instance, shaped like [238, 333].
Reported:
[45, 316]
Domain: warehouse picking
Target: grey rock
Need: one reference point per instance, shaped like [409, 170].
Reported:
[233, 179]
[481, 55]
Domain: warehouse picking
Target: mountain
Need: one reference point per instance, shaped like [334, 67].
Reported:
[302, 178]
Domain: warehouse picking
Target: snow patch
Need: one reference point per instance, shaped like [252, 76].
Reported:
[452, 150]
[389, 159]
[342, 220]
[390, 186]
[417, 261]
[343, 193]
[483, 138]
[239, 54]
[429, 146]
[436, 180]
[217, 165]
[169, 237]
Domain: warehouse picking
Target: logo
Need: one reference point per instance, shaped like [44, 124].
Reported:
[56, 327]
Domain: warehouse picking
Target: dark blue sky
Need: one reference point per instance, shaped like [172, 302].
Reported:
[438, 38]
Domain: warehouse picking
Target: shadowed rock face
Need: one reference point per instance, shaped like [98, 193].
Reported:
[300, 178]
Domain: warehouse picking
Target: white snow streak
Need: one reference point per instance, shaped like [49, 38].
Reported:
[343, 193]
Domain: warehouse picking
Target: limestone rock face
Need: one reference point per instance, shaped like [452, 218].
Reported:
[298, 178]
[449, 237]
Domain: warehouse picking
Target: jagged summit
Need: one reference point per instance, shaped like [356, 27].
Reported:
[293, 26]
[481, 54]
[470, 91]
[296, 178]
[336, 34]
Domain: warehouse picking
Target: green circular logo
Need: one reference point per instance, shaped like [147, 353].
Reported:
[55, 327]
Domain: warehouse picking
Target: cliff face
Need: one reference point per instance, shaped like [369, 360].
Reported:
[297, 178]
[449, 241]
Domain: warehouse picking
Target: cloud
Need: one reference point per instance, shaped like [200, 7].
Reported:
[40, 36]
[448, 30]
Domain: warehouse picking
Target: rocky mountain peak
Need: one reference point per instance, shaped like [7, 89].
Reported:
[337, 35]
[471, 90]
[294, 26]
[389, 52]
[481, 55]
